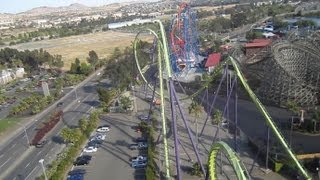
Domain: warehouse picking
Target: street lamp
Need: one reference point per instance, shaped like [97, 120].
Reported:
[25, 131]
[43, 169]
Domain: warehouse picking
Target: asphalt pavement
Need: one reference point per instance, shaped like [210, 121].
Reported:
[112, 160]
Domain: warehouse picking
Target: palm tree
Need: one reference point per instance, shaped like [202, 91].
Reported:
[195, 109]
[70, 135]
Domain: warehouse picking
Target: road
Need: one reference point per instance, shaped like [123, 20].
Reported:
[18, 161]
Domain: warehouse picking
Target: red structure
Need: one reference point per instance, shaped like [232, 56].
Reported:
[212, 61]
[256, 46]
[47, 127]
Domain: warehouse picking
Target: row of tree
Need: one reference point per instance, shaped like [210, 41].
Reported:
[30, 60]
[75, 138]
[35, 103]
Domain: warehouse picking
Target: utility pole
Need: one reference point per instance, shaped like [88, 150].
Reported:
[43, 169]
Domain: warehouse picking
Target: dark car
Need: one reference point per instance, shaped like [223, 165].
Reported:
[77, 171]
[141, 139]
[60, 104]
[75, 177]
[95, 143]
[82, 160]
[40, 144]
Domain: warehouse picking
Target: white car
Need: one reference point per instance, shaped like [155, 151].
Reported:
[139, 158]
[138, 164]
[90, 149]
[103, 129]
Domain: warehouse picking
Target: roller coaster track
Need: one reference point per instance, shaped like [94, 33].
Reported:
[237, 166]
[235, 161]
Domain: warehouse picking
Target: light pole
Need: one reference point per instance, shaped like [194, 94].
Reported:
[25, 131]
[75, 91]
[43, 169]
[291, 129]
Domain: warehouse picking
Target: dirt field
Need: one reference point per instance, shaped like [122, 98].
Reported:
[79, 46]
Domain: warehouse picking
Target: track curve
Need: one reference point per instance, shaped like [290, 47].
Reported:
[232, 156]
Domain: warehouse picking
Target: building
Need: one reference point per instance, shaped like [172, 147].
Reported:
[257, 49]
[256, 46]
[5, 77]
[128, 23]
[212, 61]
[11, 74]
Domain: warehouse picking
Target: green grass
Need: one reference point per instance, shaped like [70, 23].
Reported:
[7, 123]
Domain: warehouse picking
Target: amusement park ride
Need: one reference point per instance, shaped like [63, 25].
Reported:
[179, 57]
[184, 42]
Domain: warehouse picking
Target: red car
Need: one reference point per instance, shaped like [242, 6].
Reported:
[138, 129]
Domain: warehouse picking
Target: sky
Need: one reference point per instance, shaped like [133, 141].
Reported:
[16, 6]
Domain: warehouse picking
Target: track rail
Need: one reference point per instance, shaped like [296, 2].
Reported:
[234, 159]
[164, 56]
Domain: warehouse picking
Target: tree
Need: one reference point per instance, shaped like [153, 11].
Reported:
[70, 135]
[106, 96]
[93, 58]
[217, 116]
[195, 109]
[75, 67]
[293, 107]
[58, 61]
[85, 68]
[125, 102]
[196, 170]
[66, 134]
[83, 124]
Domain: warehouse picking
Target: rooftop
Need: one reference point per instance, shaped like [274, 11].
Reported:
[213, 60]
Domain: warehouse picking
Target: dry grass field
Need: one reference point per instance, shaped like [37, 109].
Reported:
[79, 46]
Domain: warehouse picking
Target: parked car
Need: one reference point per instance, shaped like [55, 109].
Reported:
[138, 158]
[90, 149]
[100, 136]
[82, 160]
[138, 164]
[133, 146]
[141, 139]
[77, 171]
[75, 177]
[104, 126]
[103, 129]
[97, 141]
[143, 117]
[138, 129]
[93, 143]
[140, 145]
[40, 144]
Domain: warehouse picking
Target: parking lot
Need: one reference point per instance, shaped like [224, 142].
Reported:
[112, 159]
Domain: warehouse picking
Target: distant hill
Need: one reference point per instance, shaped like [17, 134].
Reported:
[47, 10]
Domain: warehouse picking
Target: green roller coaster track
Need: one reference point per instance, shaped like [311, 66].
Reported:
[238, 167]
[235, 161]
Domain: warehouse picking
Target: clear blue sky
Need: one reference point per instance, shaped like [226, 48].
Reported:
[16, 6]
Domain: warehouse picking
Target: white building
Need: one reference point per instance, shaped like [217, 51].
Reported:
[128, 23]
[5, 77]
[11, 74]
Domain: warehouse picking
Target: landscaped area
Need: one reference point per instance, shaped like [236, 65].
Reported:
[7, 123]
